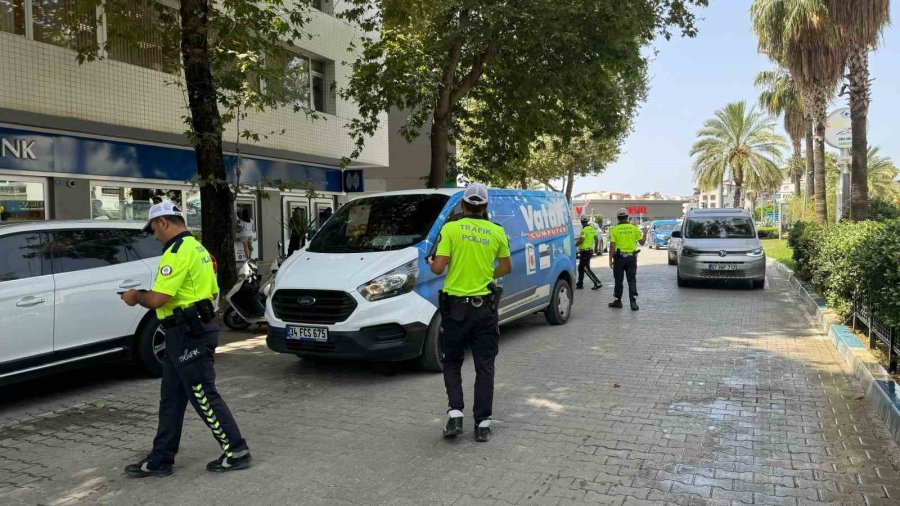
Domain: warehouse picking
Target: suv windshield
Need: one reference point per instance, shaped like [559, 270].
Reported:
[719, 227]
[665, 228]
[379, 224]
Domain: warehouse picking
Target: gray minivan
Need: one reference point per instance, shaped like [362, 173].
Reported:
[720, 244]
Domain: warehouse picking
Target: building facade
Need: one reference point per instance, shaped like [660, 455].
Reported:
[102, 139]
[606, 204]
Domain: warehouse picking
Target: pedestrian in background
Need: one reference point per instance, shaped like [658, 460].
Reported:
[585, 244]
[182, 296]
[623, 250]
[298, 226]
[247, 232]
[468, 306]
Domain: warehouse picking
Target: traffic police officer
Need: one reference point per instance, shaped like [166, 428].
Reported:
[182, 297]
[468, 306]
[585, 244]
[623, 249]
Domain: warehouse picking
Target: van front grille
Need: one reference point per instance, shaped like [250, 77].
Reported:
[325, 307]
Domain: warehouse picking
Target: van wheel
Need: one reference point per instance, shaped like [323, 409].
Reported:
[560, 303]
[759, 283]
[430, 360]
[151, 347]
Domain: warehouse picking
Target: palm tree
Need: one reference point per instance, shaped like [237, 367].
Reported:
[882, 175]
[782, 97]
[801, 36]
[859, 24]
[740, 144]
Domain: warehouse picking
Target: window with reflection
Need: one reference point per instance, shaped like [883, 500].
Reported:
[22, 201]
[64, 23]
[110, 202]
[12, 16]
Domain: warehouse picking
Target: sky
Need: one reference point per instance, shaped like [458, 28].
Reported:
[691, 78]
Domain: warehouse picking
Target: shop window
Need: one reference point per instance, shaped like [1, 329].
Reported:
[128, 202]
[145, 33]
[12, 16]
[77, 250]
[21, 201]
[192, 209]
[64, 23]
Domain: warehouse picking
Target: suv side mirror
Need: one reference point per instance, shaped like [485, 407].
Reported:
[676, 234]
[762, 234]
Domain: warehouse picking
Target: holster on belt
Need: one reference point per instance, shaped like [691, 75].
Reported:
[190, 317]
[496, 293]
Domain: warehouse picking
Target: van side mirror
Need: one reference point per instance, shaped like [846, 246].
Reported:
[762, 234]
[676, 234]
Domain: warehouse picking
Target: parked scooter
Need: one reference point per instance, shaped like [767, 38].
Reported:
[247, 298]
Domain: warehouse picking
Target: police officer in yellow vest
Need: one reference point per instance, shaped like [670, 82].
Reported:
[623, 249]
[182, 297]
[585, 244]
[468, 306]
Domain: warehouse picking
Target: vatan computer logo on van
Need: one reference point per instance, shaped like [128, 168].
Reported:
[544, 222]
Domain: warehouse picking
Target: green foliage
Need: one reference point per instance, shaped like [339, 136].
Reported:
[508, 71]
[880, 261]
[836, 268]
[852, 260]
[771, 231]
[883, 210]
[739, 144]
[805, 239]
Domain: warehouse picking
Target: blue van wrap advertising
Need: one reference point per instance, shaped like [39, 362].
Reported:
[541, 242]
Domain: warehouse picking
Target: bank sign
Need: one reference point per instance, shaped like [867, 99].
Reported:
[50, 152]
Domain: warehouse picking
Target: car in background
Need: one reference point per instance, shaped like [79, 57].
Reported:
[720, 244]
[659, 233]
[59, 296]
[673, 245]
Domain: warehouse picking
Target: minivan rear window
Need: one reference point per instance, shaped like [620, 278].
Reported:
[719, 227]
[379, 224]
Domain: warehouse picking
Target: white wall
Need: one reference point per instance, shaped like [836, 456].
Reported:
[42, 78]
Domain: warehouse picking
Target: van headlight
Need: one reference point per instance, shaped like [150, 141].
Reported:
[689, 252]
[758, 252]
[397, 282]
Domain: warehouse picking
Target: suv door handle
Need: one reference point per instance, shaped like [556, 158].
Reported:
[30, 301]
[129, 283]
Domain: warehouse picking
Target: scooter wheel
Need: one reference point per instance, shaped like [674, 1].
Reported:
[233, 320]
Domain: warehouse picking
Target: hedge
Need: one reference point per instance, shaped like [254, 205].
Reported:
[772, 231]
[850, 260]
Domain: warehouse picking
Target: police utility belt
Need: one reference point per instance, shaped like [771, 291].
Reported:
[626, 255]
[491, 300]
[193, 316]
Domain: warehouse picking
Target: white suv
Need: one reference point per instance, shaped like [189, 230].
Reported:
[59, 300]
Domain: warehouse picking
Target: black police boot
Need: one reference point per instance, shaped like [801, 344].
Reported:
[454, 425]
[579, 286]
[147, 468]
[237, 460]
[616, 304]
[483, 431]
[597, 286]
[634, 306]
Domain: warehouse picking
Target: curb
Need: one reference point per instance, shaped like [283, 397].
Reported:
[881, 390]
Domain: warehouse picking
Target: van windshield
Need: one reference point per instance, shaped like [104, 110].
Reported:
[379, 224]
[719, 227]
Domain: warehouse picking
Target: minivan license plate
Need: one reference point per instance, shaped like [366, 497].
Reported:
[315, 334]
[723, 267]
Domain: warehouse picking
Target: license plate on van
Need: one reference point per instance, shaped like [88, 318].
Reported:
[723, 267]
[314, 334]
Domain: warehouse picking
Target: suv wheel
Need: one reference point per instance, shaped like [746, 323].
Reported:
[151, 347]
[681, 281]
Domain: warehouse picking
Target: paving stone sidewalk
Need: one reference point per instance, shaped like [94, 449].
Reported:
[708, 395]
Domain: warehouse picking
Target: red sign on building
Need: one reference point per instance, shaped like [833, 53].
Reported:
[637, 209]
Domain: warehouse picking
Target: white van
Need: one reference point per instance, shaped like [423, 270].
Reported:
[362, 289]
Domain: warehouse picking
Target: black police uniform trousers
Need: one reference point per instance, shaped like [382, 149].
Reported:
[625, 266]
[189, 376]
[584, 267]
[476, 327]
